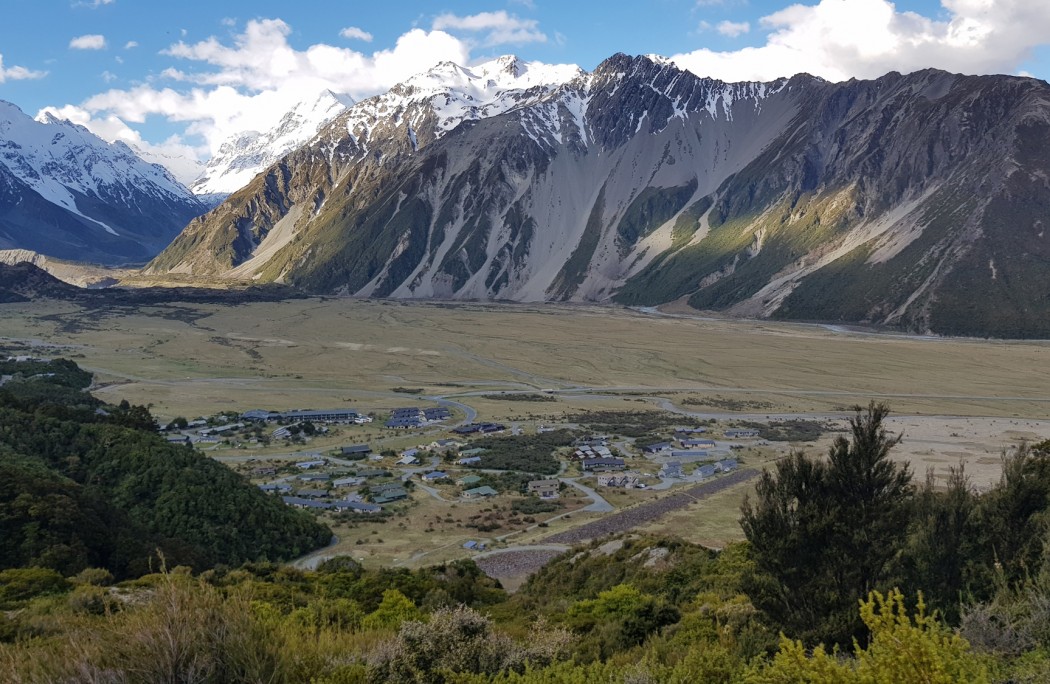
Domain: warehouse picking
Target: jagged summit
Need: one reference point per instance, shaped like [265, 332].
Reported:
[246, 154]
[872, 201]
[64, 192]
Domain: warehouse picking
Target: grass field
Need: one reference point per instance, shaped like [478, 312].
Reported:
[954, 399]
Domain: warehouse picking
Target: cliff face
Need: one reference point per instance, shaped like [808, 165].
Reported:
[916, 200]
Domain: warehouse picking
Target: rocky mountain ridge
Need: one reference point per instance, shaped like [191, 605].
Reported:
[66, 193]
[886, 201]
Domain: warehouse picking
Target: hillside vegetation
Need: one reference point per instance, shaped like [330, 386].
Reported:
[83, 484]
[852, 572]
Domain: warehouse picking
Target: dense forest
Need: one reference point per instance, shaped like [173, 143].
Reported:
[87, 485]
[853, 571]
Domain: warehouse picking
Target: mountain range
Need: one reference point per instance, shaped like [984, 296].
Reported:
[915, 200]
[66, 193]
[911, 200]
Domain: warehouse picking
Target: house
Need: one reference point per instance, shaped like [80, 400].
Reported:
[671, 469]
[407, 459]
[179, 439]
[471, 545]
[613, 480]
[275, 487]
[319, 477]
[263, 471]
[479, 492]
[218, 430]
[357, 506]
[469, 460]
[312, 493]
[468, 480]
[697, 443]
[596, 464]
[348, 482]
[741, 433]
[436, 415]
[369, 473]
[545, 489]
[434, 476]
[355, 451]
[306, 503]
[657, 448]
[323, 416]
[307, 465]
[392, 491]
[689, 430]
[705, 471]
[444, 444]
[258, 415]
[691, 455]
[727, 465]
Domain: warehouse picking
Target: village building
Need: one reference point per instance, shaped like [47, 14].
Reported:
[355, 451]
[740, 433]
[671, 469]
[627, 480]
[658, 448]
[479, 492]
[599, 464]
[434, 476]
[468, 480]
[545, 489]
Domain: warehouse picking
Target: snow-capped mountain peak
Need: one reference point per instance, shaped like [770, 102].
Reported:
[68, 193]
[246, 154]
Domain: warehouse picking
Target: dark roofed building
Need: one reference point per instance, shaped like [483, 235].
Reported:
[595, 464]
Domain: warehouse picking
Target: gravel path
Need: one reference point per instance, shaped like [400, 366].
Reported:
[647, 512]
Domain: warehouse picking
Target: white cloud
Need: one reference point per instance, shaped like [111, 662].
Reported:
[250, 82]
[108, 76]
[18, 73]
[733, 28]
[355, 33]
[840, 39]
[93, 4]
[131, 44]
[499, 27]
[92, 41]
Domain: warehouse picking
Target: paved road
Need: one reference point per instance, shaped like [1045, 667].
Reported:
[598, 504]
[626, 520]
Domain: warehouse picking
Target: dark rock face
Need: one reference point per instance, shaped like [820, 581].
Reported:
[912, 200]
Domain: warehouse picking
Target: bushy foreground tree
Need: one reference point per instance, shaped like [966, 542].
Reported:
[823, 534]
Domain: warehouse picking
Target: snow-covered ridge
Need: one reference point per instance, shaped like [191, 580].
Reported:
[58, 159]
[448, 94]
[245, 155]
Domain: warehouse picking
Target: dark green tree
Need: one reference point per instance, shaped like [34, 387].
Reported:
[824, 534]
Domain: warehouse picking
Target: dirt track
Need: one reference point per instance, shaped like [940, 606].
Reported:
[623, 521]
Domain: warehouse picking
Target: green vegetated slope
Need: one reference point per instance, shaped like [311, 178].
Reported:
[852, 572]
[84, 484]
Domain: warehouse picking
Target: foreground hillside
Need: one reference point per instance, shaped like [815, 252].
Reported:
[83, 484]
[914, 200]
[851, 572]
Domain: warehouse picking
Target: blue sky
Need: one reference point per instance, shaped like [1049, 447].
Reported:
[179, 77]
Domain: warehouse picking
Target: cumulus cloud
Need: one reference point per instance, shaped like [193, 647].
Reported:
[18, 73]
[92, 41]
[131, 44]
[840, 39]
[249, 82]
[355, 33]
[499, 28]
[733, 28]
